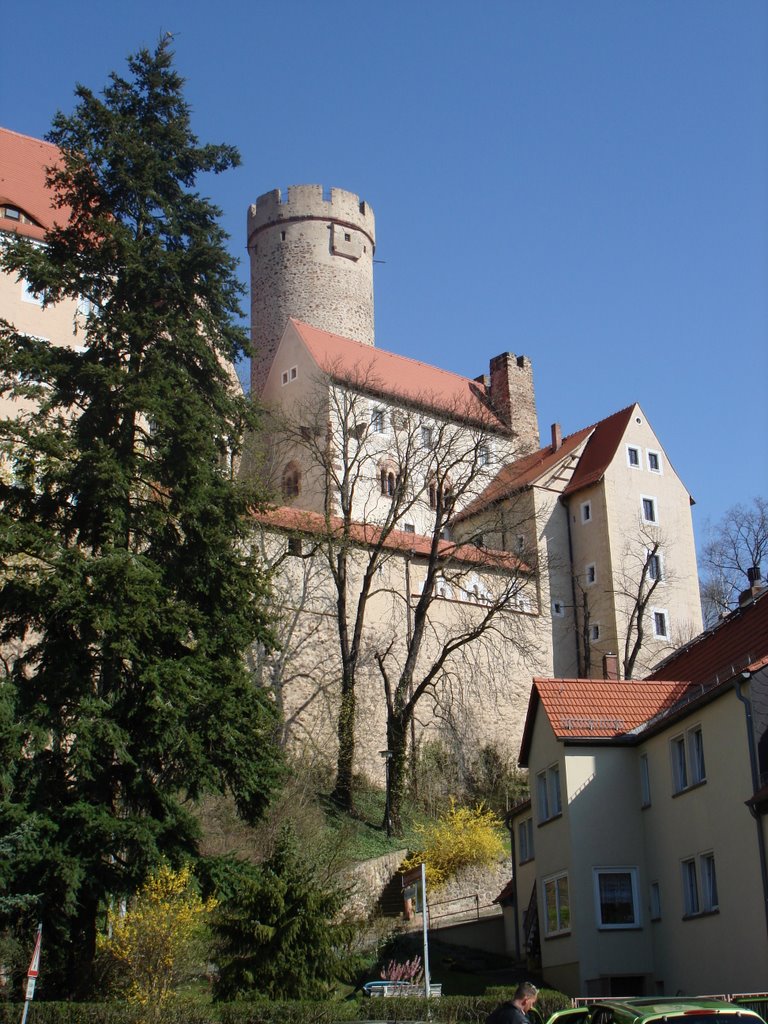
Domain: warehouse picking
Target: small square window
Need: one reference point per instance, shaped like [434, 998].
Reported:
[633, 456]
[649, 510]
[284, 377]
[586, 511]
[654, 461]
[294, 546]
[28, 295]
[427, 438]
[484, 455]
[282, 236]
[377, 421]
[594, 632]
[294, 372]
[558, 608]
[409, 528]
[660, 625]
[590, 574]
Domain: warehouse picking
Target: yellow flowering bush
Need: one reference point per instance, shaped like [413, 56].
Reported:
[461, 836]
[157, 942]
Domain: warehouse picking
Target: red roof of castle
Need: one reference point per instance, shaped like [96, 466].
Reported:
[736, 643]
[23, 161]
[303, 521]
[604, 438]
[398, 376]
[600, 449]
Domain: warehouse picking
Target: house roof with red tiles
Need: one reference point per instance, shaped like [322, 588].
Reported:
[296, 520]
[737, 643]
[592, 710]
[399, 377]
[23, 161]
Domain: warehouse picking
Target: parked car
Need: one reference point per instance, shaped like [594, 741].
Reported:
[653, 1009]
[400, 988]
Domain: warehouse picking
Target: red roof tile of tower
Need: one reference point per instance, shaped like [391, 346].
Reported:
[399, 377]
[600, 450]
[23, 161]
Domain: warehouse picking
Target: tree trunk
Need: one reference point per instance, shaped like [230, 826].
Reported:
[397, 743]
[343, 793]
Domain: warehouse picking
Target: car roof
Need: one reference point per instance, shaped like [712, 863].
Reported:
[652, 1006]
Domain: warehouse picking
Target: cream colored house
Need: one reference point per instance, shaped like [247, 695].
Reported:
[640, 861]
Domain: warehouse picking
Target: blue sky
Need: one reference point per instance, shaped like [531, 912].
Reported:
[582, 182]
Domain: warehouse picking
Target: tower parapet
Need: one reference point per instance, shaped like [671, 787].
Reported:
[311, 255]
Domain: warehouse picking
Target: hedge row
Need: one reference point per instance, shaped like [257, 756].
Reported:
[445, 1010]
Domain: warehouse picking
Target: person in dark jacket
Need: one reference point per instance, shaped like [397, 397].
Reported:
[516, 1010]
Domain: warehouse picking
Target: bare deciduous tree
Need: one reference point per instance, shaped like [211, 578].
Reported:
[427, 610]
[736, 544]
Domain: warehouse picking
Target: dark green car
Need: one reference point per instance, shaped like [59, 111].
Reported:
[655, 1010]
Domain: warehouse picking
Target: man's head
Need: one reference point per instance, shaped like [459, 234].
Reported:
[525, 995]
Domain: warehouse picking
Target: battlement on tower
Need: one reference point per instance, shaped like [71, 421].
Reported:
[299, 202]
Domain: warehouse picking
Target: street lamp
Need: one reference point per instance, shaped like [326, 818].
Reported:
[387, 755]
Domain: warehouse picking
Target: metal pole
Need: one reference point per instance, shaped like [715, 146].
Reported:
[425, 926]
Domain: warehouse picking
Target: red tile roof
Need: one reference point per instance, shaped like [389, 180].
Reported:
[517, 475]
[303, 521]
[600, 450]
[590, 709]
[22, 183]
[738, 642]
[400, 377]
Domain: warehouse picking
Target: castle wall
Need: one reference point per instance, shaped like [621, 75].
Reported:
[312, 259]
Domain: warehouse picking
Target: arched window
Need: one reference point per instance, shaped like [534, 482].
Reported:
[390, 478]
[291, 481]
[445, 489]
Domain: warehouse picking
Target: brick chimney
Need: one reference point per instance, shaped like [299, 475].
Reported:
[610, 667]
[557, 437]
[513, 399]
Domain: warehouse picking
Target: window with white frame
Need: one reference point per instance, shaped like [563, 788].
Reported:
[427, 437]
[484, 455]
[654, 460]
[633, 456]
[377, 421]
[525, 837]
[548, 793]
[649, 510]
[645, 782]
[690, 888]
[696, 755]
[590, 574]
[616, 903]
[557, 909]
[688, 766]
[655, 901]
[655, 568]
[28, 295]
[660, 623]
[586, 511]
[709, 900]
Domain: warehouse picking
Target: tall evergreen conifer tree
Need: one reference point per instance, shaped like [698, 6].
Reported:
[127, 593]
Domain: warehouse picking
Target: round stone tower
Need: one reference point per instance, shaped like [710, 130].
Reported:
[311, 258]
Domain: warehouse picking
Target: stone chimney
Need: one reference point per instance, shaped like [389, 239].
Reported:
[610, 667]
[557, 437]
[754, 577]
[513, 399]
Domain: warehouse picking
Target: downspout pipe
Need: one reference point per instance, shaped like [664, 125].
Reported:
[755, 785]
[513, 852]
